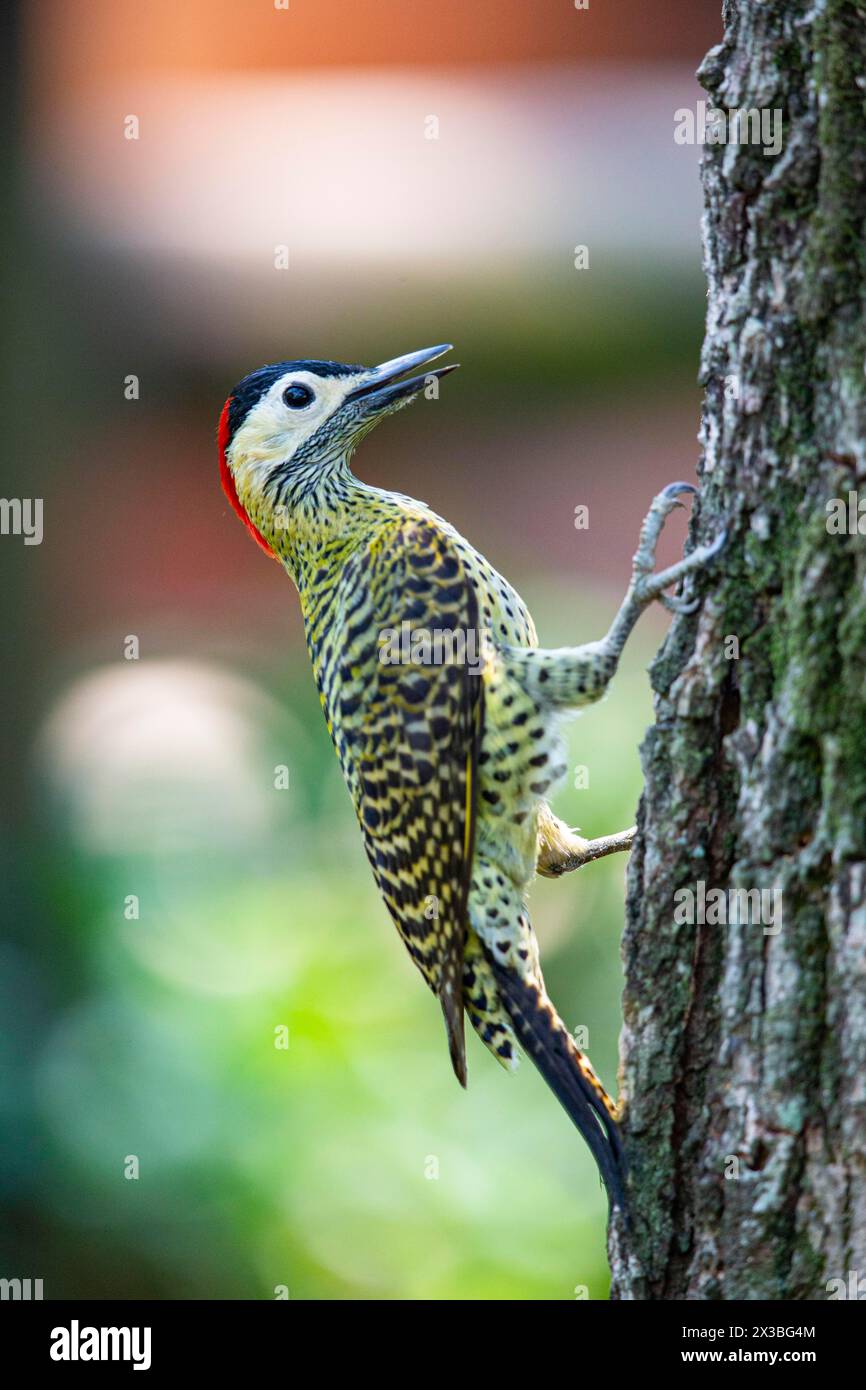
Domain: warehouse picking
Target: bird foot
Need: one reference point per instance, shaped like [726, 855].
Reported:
[646, 585]
[580, 852]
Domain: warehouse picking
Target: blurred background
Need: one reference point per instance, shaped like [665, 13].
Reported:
[426, 174]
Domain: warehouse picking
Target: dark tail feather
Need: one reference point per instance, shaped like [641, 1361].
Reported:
[545, 1038]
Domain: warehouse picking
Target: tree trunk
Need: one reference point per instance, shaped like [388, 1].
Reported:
[744, 1042]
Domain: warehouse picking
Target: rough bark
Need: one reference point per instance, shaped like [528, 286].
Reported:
[744, 1051]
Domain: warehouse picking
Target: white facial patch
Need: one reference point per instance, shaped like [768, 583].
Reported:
[273, 431]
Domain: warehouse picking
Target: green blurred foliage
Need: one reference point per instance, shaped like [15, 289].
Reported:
[350, 1164]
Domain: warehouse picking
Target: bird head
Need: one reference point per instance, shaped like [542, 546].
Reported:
[287, 426]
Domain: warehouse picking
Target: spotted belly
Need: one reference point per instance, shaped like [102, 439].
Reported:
[522, 761]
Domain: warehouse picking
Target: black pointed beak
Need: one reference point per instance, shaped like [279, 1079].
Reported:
[382, 386]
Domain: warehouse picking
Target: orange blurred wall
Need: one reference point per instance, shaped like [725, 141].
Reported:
[93, 40]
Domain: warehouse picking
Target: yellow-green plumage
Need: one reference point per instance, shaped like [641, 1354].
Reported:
[421, 744]
[407, 736]
[449, 754]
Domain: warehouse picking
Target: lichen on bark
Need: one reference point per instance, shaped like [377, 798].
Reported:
[744, 1048]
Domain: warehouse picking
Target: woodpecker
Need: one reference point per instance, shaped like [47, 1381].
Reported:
[449, 749]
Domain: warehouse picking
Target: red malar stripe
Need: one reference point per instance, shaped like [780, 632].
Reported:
[228, 481]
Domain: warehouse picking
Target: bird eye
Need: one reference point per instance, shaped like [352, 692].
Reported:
[297, 396]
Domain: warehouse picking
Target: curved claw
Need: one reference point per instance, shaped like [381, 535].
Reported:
[674, 489]
[677, 604]
[718, 544]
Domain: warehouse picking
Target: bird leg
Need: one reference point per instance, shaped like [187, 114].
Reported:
[571, 677]
[646, 586]
[562, 850]
[580, 675]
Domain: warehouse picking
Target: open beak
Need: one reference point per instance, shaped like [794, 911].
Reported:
[383, 387]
